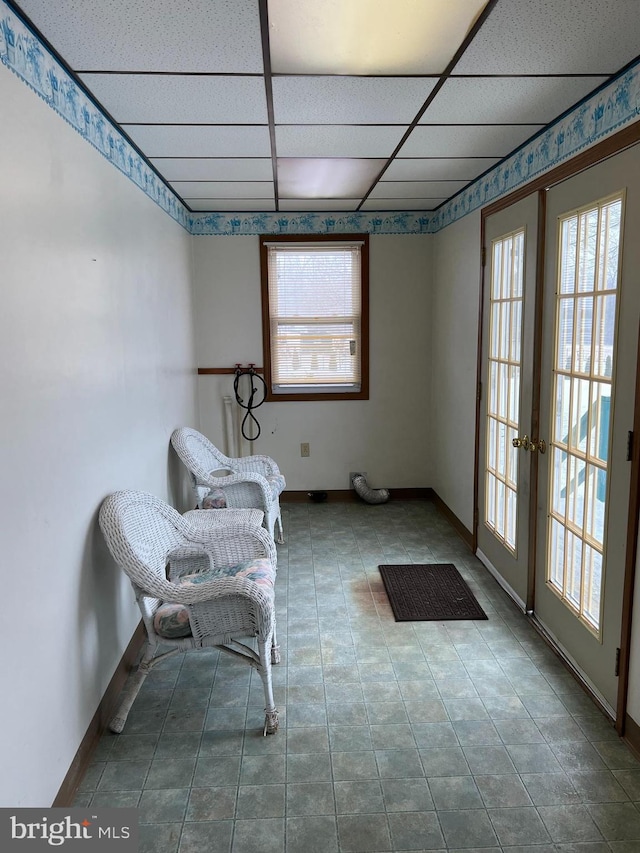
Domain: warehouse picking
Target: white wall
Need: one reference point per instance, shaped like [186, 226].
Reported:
[456, 293]
[96, 348]
[388, 436]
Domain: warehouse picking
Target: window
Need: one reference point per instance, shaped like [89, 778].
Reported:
[315, 311]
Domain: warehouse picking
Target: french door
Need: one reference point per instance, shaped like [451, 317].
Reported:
[504, 486]
[590, 327]
[574, 464]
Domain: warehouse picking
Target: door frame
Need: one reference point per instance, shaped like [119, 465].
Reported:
[614, 144]
[630, 561]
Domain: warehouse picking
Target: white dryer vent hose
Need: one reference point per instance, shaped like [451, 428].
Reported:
[371, 496]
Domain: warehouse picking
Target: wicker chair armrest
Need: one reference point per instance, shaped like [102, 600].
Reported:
[238, 605]
[213, 547]
[188, 559]
[187, 552]
[237, 479]
[216, 518]
[259, 463]
[213, 590]
[233, 543]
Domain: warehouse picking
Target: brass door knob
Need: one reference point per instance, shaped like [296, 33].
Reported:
[521, 442]
[539, 445]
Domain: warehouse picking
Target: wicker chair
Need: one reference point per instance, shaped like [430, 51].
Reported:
[197, 585]
[254, 481]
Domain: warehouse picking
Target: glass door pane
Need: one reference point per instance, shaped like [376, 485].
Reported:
[504, 372]
[585, 337]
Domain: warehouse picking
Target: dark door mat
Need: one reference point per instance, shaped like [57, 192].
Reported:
[425, 592]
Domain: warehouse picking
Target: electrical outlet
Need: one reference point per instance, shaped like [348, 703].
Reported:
[304, 449]
[352, 474]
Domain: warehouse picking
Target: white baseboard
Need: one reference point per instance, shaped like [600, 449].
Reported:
[579, 673]
[513, 595]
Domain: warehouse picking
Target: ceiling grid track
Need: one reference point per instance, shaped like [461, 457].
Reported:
[274, 113]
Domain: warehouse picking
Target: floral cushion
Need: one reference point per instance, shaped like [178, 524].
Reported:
[259, 570]
[172, 620]
[215, 499]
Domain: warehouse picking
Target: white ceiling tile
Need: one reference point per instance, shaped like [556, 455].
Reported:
[401, 204]
[349, 100]
[152, 35]
[496, 100]
[416, 189]
[194, 141]
[478, 140]
[472, 123]
[230, 204]
[212, 169]
[439, 169]
[224, 189]
[187, 99]
[313, 140]
[555, 37]
[315, 177]
[304, 204]
[367, 36]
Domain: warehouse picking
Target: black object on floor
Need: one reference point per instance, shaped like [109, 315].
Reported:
[425, 592]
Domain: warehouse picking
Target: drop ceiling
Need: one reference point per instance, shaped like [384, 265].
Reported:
[294, 105]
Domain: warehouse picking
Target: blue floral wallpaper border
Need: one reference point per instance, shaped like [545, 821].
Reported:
[400, 222]
[595, 117]
[29, 59]
[607, 110]
[600, 114]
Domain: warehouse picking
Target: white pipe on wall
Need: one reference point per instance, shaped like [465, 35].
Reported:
[230, 427]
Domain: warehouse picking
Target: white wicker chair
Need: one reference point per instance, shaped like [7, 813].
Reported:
[254, 481]
[162, 553]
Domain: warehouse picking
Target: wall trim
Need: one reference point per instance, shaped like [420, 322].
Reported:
[495, 574]
[606, 110]
[631, 735]
[350, 495]
[580, 676]
[324, 222]
[551, 641]
[67, 792]
[460, 528]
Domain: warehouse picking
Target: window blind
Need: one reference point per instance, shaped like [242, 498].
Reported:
[315, 316]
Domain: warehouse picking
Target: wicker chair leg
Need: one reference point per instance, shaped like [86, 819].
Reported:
[275, 648]
[270, 723]
[131, 690]
[280, 536]
[271, 712]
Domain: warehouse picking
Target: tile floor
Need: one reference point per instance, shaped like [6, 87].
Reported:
[394, 736]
